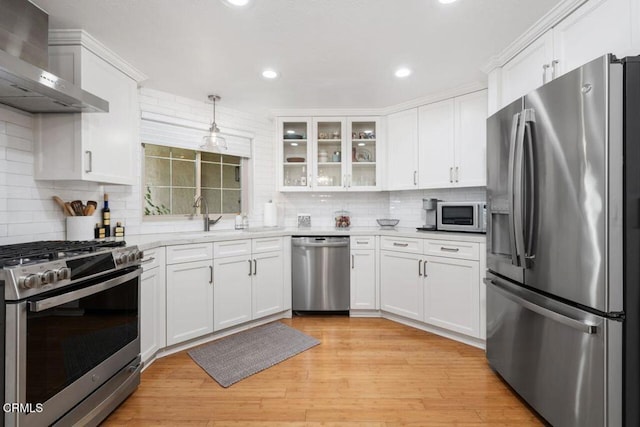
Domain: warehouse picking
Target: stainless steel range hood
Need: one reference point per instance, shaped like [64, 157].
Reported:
[24, 82]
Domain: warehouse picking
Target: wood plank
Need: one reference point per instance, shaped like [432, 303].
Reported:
[366, 372]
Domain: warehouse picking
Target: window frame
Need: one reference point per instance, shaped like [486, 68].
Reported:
[244, 186]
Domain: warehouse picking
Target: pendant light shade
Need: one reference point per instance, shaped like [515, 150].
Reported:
[214, 141]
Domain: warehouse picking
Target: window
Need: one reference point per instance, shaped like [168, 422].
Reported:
[174, 177]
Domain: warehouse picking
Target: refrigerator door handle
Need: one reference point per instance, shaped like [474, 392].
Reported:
[510, 183]
[518, 196]
[529, 119]
[553, 315]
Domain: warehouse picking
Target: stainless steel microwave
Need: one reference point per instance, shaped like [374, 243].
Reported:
[462, 216]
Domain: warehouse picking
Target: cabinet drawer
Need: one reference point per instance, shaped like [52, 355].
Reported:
[231, 248]
[401, 244]
[187, 253]
[363, 242]
[152, 258]
[461, 250]
[266, 244]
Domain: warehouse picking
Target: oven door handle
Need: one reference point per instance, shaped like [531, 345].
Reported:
[45, 304]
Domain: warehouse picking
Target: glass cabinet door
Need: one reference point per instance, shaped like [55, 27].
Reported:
[296, 154]
[329, 153]
[363, 173]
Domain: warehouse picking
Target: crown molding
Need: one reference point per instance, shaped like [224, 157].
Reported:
[544, 24]
[351, 112]
[435, 97]
[73, 37]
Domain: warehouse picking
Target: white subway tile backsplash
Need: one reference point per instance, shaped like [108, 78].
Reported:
[24, 201]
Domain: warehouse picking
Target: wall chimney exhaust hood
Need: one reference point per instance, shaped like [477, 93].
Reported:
[24, 82]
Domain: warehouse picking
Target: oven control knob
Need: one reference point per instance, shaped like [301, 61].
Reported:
[64, 273]
[49, 276]
[133, 256]
[139, 255]
[122, 259]
[30, 281]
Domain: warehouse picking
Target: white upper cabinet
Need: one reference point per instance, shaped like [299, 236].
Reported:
[596, 28]
[437, 136]
[328, 153]
[294, 153]
[452, 136]
[362, 154]
[470, 132]
[99, 147]
[329, 161]
[528, 70]
[402, 150]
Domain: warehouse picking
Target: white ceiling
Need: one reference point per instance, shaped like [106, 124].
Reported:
[330, 53]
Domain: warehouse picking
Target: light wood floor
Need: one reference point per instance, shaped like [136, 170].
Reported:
[369, 372]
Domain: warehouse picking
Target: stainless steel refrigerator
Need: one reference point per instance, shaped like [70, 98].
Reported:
[563, 245]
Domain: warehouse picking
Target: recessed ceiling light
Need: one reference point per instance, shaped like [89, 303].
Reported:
[446, 1]
[269, 74]
[236, 3]
[403, 72]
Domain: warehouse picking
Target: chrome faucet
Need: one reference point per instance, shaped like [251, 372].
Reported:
[207, 222]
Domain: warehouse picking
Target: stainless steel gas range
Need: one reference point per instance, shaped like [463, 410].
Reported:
[72, 342]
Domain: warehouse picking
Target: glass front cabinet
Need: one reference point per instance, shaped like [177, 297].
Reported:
[328, 154]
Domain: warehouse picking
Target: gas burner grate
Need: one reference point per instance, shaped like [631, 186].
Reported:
[47, 250]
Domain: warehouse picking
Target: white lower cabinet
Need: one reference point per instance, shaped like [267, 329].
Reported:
[231, 291]
[442, 291]
[364, 285]
[267, 284]
[401, 287]
[152, 304]
[363, 280]
[189, 300]
[247, 286]
[452, 294]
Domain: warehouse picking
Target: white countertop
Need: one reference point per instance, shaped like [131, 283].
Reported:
[149, 241]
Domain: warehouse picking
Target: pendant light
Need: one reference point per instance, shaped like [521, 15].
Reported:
[214, 141]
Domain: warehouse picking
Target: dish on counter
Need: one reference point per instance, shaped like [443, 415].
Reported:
[387, 223]
[295, 160]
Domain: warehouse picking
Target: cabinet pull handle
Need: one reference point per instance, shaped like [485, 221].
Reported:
[554, 69]
[424, 268]
[451, 174]
[415, 177]
[402, 245]
[89, 167]
[249, 261]
[442, 248]
[147, 261]
[420, 267]
[211, 274]
[255, 266]
[353, 261]
[456, 173]
[361, 242]
[545, 67]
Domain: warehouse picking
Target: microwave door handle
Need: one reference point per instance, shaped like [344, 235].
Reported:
[510, 184]
[45, 304]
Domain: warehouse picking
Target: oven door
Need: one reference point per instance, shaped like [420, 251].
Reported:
[67, 344]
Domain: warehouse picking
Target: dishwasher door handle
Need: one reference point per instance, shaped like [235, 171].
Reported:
[322, 245]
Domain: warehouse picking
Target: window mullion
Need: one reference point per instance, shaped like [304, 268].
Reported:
[198, 173]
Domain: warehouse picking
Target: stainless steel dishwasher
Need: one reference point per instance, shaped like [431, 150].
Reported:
[320, 273]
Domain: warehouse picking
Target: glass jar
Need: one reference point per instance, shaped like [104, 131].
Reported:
[342, 219]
